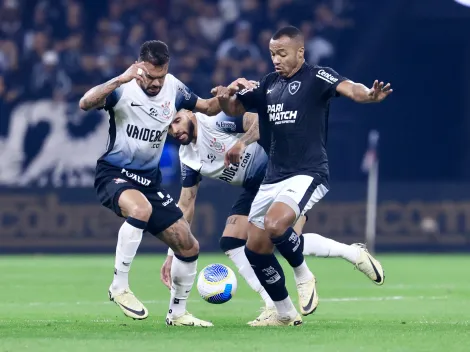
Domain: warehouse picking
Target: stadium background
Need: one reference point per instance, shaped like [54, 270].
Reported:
[52, 51]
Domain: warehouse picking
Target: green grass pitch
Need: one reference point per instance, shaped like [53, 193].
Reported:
[59, 303]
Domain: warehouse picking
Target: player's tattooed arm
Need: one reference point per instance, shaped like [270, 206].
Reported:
[251, 128]
[361, 94]
[208, 107]
[96, 96]
[187, 201]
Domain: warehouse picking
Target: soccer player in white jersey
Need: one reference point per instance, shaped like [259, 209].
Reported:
[142, 103]
[207, 144]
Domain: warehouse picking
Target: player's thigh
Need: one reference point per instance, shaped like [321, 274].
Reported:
[167, 224]
[301, 192]
[263, 200]
[236, 227]
[122, 197]
[164, 210]
[134, 203]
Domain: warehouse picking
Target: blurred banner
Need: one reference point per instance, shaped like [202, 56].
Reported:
[417, 217]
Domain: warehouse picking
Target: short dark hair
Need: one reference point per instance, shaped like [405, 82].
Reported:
[288, 31]
[155, 52]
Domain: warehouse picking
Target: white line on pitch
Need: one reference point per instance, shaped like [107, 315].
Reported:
[235, 300]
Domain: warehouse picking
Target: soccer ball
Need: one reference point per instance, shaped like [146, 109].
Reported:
[217, 283]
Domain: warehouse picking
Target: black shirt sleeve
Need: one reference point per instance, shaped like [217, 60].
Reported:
[189, 177]
[252, 99]
[329, 79]
[185, 98]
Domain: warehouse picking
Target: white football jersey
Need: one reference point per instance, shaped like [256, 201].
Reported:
[216, 135]
[139, 123]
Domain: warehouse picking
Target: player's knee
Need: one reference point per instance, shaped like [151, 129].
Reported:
[274, 226]
[141, 211]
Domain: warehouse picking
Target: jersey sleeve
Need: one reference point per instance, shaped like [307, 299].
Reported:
[185, 98]
[329, 79]
[189, 177]
[252, 99]
[228, 124]
[113, 98]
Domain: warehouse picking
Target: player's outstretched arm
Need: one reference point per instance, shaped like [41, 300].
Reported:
[96, 96]
[187, 201]
[361, 94]
[251, 135]
[208, 107]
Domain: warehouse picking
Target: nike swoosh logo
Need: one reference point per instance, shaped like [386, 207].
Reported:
[136, 312]
[309, 304]
[134, 104]
[126, 264]
[377, 275]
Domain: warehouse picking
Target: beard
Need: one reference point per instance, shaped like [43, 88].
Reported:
[190, 133]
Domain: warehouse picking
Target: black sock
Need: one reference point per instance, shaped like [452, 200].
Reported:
[290, 246]
[269, 273]
[229, 243]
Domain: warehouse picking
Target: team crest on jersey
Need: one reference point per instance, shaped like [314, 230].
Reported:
[166, 110]
[294, 87]
[217, 146]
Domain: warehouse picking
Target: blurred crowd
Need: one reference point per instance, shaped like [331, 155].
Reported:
[60, 48]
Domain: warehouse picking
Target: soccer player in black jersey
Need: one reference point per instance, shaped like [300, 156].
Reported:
[293, 106]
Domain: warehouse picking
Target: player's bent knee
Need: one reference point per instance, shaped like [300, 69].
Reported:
[141, 211]
[274, 226]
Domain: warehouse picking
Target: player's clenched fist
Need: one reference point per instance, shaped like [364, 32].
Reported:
[135, 71]
[239, 84]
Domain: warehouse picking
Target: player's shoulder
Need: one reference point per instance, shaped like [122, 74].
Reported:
[203, 119]
[324, 73]
[269, 78]
[209, 124]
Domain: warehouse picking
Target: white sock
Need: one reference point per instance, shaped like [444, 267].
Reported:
[238, 257]
[302, 273]
[325, 247]
[182, 275]
[285, 309]
[129, 239]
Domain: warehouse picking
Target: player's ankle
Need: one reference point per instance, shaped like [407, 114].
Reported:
[302, 273]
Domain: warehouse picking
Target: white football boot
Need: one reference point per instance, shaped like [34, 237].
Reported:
[187, 320]
[275, 320]
[368, 265]
[266, 313]
[308, 297]
[129, 304]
